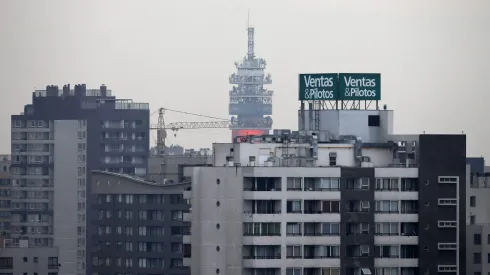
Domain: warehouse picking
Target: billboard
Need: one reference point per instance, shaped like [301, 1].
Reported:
[344, 86]
[318, 86]
[359, 87]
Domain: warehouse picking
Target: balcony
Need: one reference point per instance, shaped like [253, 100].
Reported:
[267, 207]
[262, 271]
[261, 252]
[187, 216]
[321, 184]
[262, 184]
[321, 206]
[321, 252]
[321, 229]
[261, 255]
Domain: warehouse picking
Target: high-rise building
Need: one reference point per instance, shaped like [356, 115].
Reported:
[478, 218]
[138, 226]
[358, 201]
[24, 258]
[56, 141]
[250, 101]
[5, 187]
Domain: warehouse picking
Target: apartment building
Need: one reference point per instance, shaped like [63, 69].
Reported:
[478, 219]
[56, 141]
[5, 187]
[359, 201]
[22, 258]
[137, 226]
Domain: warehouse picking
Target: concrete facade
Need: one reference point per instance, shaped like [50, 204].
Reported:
[24, 259]
[137, 226]
[478, 223]
[296, 207]
[337, 123]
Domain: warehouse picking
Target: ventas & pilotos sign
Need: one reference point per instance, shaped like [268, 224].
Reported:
[344, 86]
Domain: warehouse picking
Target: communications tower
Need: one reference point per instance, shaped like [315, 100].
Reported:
[250, 102]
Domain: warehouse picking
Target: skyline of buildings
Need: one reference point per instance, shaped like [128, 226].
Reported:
[343, 195]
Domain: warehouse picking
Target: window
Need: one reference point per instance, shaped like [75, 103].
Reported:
[448, 202]
[488, 239]
[386, 184]
[176, 199]
[294, 206]
[477, 238]
[293, 271]
[472, 201]
[488, 258]
[330, 229]
[176, 263]
[358, 184]
[142, 215]
[477, 258]
[261, 229]
[293, 252]
[391, 271]
[293, 229]
[386, 207]
[176, 247]
[6, 263]
[472, 219]
[332, 159]
[448, 179]
[373, 121]
[53, 263]
[447, 246]
[294, 184]
[446, 224]
[177, 215]
[387, 251]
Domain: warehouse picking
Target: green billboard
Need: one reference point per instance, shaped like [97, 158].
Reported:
[344, 86]
[318, 86]
[359, 86]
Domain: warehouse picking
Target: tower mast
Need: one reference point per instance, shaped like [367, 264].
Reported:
[250, 102]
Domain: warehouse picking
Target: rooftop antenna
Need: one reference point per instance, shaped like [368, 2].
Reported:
[248, 19]
[250, 30]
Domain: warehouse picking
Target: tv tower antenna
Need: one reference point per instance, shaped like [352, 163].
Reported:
[250, 30]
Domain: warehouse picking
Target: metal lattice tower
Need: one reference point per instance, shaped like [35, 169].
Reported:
[250, 103]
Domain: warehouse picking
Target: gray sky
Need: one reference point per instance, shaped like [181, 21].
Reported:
[434, 56]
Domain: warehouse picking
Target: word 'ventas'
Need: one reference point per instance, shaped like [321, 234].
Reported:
[353, 85]
[319, 87]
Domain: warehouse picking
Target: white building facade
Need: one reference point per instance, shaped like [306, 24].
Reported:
[287, 204]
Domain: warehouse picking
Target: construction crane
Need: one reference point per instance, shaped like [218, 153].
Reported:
[161, 128]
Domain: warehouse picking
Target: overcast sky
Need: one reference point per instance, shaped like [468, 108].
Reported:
[434, 56]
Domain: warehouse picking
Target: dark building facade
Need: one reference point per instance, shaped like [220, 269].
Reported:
[477, 165]
[442, 224]
[58, 139]
[5, 187]
[137, 226]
